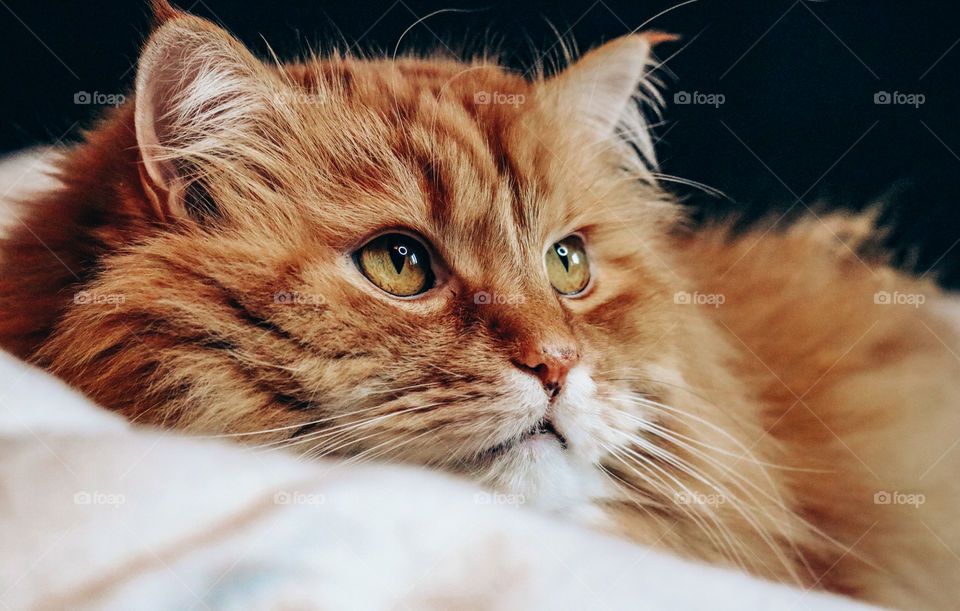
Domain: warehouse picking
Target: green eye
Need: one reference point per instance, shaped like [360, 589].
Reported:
[397, 263]
[567, 266]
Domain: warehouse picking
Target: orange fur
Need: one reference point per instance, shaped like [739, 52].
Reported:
[227, 182]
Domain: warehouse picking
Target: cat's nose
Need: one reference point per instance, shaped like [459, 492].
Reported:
[549, 362]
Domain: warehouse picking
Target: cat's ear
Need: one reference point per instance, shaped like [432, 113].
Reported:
[195, 86]
[603, 89]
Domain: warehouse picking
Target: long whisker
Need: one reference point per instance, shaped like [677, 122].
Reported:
[726, 544]
[745, 510]
[742, 483]
[712, 191]
[299, 425]
[326, 432]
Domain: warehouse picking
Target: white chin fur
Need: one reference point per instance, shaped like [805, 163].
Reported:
[545, 475]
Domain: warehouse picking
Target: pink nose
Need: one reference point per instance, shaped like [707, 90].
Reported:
[551, 363]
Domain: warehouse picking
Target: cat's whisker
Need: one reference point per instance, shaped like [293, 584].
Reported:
[402, 389]
[630, 495]
[664, 488]
[710, 461]
[630, 490]
[656, 405]
[688, 469]
[342, 439]
[326, 448]
[686, 388]
[288, 427]
[246, 358]
[773, 496]
[676, 439]
[677, 436]
[371, 454]
[729, 498]
[712, 191]
[346, 428]
[453, 375]
[350, 426]
[744, 483]
[747, 455]
[670, 9]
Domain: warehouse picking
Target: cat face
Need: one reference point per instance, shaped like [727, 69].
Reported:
[416, 260]
[489, 324]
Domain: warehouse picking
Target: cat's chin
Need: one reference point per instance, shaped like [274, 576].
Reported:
[553, 464]
[540, 470]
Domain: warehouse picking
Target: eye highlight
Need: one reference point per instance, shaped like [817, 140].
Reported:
[567, 266]
[397, 263]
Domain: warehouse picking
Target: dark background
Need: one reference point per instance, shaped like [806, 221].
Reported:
[798, 129]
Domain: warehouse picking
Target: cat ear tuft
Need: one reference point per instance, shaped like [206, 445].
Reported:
[196, 85]
[163, 12]
[603, 88]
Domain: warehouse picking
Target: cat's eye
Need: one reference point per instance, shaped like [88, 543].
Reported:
[567, 266]
[397, 263]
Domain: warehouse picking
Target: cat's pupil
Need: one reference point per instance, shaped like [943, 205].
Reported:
[562, 252]
[398, 256]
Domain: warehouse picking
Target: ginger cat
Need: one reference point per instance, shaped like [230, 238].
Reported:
[445, 263]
